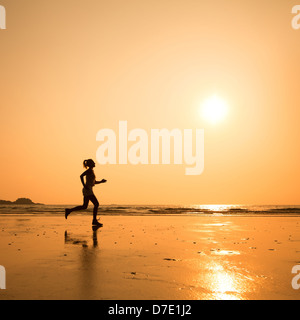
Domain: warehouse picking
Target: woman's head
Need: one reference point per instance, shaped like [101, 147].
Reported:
[89, 163]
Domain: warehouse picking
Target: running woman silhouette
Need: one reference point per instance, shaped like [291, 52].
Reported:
[88, 194]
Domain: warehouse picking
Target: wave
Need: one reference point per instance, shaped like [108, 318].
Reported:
[234, 210]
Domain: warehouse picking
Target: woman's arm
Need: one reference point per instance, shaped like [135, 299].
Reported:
[81, 178]
[102, 181]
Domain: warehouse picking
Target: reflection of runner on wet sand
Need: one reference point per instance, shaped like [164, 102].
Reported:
[86, 275]
[88, 194]
[84, 243]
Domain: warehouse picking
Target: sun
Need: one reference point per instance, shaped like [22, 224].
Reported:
[214, 109]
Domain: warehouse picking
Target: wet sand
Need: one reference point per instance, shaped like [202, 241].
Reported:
[149, 257]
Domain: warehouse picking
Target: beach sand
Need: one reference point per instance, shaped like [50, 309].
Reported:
[149, 257]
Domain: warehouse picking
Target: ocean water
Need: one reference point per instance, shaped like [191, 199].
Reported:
[235, 210]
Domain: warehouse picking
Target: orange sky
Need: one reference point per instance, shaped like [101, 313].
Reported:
[70, 68]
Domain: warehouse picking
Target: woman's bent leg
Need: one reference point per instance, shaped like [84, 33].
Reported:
[83, 207]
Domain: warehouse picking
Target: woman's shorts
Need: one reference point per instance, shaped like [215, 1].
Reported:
[87, 192]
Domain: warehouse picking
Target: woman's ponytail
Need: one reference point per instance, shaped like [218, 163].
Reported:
[85, 163]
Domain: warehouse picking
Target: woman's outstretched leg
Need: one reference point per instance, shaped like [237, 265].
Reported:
[78, 208]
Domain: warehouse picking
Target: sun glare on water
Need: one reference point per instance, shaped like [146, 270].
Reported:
[214, 109]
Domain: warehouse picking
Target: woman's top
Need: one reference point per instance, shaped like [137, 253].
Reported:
[90, 182]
